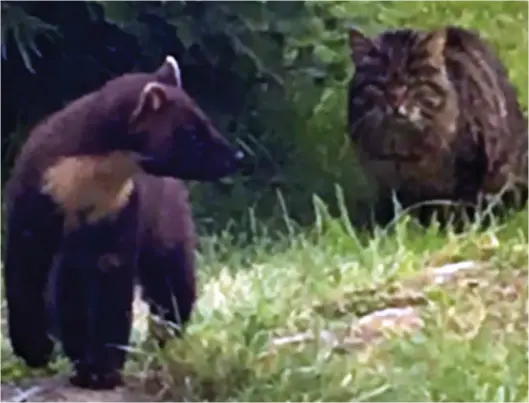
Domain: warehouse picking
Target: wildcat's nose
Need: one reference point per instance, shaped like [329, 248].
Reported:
[402, 110]
[395, 96]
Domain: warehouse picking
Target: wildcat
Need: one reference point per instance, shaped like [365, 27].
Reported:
[433, 115]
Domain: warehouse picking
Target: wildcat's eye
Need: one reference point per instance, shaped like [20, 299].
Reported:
[374, 90]
[428, 95]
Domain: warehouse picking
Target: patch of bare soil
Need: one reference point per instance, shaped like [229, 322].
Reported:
[57, 389]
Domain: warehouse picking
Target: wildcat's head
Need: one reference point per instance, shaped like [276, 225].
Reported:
[400, 77]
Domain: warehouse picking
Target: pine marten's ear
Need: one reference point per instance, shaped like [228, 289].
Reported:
[152, 99]
[169, 72]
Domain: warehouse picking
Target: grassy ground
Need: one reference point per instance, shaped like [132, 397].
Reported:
[256, 301]
[472, 346]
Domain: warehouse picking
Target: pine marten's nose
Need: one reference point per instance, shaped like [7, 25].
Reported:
[239, 155]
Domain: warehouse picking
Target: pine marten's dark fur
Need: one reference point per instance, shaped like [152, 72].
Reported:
[71, 193]
[162, 241]
[167, 249]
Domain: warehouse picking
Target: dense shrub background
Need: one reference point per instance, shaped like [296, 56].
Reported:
[261, 70]
[272, 75]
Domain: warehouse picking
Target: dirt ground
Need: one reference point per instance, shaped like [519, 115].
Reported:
[58, 390]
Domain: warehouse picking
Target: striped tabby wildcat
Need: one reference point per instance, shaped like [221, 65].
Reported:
[433, 115]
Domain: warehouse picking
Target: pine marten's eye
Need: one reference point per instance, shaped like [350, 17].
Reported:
[193, 136]
[188, 128]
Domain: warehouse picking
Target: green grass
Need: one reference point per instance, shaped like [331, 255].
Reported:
[473, 346]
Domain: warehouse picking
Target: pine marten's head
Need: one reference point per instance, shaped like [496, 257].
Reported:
[158, 120]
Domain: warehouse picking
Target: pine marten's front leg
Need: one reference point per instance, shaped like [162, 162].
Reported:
[95, 293]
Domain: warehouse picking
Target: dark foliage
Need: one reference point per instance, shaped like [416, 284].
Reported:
[259, 69]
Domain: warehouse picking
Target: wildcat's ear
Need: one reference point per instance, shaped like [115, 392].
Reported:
[169, 72]
[152, 99]
[434, 42]
[359, 44]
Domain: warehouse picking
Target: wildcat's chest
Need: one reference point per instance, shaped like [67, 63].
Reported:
[429, 173]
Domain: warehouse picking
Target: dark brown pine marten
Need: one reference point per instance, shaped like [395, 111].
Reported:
[71, 196]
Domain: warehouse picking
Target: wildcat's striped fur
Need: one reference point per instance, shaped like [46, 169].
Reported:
[434, 116]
